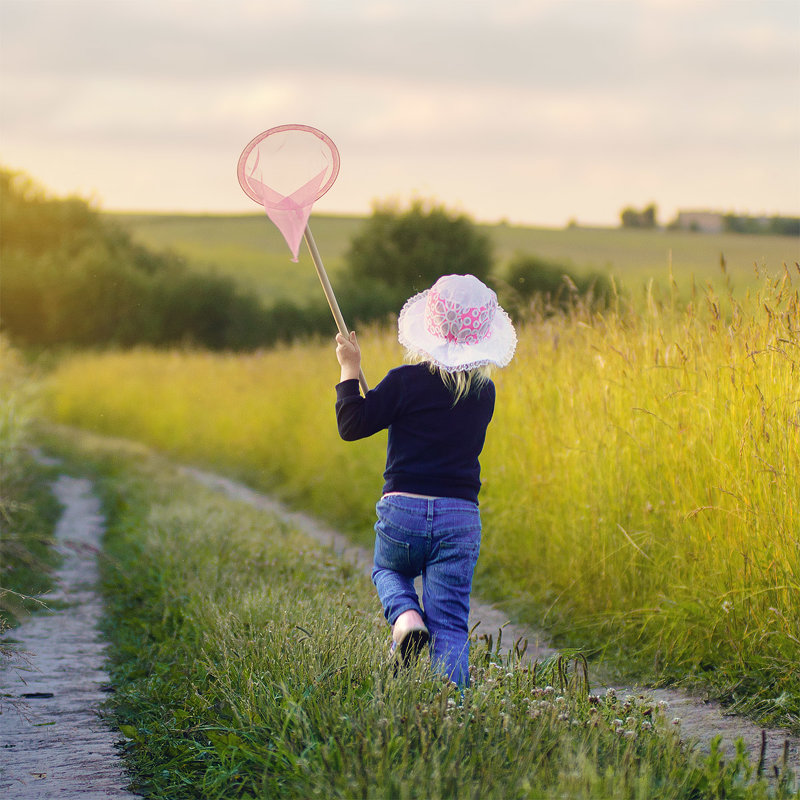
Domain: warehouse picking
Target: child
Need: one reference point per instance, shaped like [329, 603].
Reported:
[436, 409]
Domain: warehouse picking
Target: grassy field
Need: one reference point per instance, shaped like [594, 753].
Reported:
[640, 476]
[247, 663]
[250, 248]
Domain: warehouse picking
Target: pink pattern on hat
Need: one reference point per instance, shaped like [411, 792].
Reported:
[446, 319]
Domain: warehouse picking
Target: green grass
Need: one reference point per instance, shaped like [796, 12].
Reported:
[28, 510]
[250, 248]
[247, 663]
[640, 496]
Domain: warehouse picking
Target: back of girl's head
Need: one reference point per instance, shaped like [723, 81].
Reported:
[461, 383]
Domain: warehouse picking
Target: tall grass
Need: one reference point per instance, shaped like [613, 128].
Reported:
[248, 663]
[660, 501]
[27, 509]
[640, 492]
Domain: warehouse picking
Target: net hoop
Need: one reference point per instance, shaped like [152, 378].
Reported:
[241, 167]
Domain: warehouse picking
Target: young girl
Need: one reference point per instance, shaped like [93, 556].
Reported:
[437, 410]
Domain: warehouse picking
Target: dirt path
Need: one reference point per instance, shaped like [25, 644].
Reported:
[700, 721]
[54, 743]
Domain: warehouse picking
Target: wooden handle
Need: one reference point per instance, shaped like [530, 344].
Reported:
[330, 296]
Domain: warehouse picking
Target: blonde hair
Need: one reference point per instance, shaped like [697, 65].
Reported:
[461, 382]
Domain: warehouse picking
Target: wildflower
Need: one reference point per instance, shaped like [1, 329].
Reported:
[646, 726]
[676, 721]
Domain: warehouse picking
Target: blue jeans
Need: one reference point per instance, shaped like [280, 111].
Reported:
[439, 539]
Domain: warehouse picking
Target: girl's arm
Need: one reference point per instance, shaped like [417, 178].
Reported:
[358, 417]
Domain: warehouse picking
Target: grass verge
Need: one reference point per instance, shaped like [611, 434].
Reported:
[248, 663]
[28, 510]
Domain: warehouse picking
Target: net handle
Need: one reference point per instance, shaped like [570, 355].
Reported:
[330, 296]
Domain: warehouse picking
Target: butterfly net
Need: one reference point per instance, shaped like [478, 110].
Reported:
[285, 170]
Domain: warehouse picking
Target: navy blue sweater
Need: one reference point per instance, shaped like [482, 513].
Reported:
[433, 445]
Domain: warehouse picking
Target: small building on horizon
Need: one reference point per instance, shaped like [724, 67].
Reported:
[700, 221]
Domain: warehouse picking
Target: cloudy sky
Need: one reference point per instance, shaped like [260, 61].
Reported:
[534, 111]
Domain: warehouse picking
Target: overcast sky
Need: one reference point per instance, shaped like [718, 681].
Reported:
[534, 111]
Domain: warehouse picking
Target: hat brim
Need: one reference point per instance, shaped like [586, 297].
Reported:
[497, 348]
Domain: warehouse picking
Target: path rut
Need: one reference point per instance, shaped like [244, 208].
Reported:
[700, 720]
[53, 741]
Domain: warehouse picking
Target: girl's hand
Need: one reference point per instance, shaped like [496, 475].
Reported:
[348, 354]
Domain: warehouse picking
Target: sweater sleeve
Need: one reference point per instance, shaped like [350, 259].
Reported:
[358, 417]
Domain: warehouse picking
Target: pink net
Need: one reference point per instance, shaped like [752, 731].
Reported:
[285, 170]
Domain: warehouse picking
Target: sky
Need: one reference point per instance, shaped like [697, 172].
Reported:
[536, 112]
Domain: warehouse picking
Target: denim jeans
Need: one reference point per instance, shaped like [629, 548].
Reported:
[439, 539]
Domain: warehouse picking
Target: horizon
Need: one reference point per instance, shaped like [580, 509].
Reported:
[536, 112]
[660, 225]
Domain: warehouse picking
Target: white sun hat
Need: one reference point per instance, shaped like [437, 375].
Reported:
[457, 325]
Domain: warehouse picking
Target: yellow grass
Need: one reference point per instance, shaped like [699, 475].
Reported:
[640, 476]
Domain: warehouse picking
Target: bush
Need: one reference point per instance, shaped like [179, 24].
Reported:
[409, 250]
[530, 277]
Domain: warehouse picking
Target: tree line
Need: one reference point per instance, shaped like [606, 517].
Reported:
[776, 225]
[71, 277]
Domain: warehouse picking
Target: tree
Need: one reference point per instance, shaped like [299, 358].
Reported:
[646, 218]
[408, 251]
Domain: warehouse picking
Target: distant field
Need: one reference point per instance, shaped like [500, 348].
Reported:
[250, 248]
